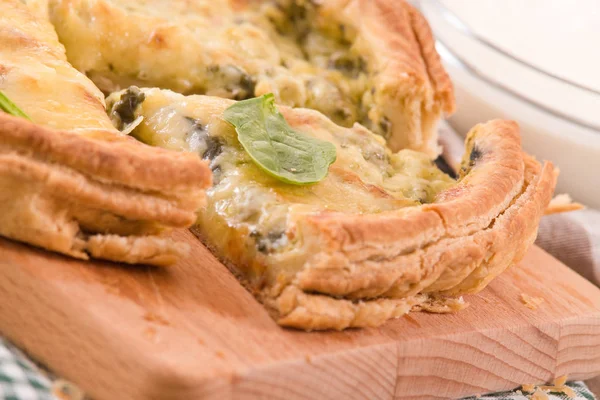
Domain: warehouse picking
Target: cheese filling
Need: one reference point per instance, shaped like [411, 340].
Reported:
[249, 208]
[224, 49]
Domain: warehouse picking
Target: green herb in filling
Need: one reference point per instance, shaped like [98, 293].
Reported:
[11, 108]
[123, 111]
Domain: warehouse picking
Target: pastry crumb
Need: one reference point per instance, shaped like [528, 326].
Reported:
[562, 203]
[150, 333]
[529, 388]
[560, 381]
[558, 386]
[531, 302]
[153, 317]
[567, 391]
[539, 394]
[561, 387]
[65, 390]
[442, 305]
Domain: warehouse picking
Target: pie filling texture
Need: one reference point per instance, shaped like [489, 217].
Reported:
[366, 61]
[382, 234]
[69, 181]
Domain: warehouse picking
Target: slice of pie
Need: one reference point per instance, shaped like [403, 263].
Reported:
[366, 61]
[69, 181]
[381, 234]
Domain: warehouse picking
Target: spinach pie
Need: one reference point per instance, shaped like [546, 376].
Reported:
[296, 137]
[378, 235]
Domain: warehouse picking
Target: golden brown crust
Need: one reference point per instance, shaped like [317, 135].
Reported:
[58, 208]
[71, 185]
[516, 228]
[106, 155]
[297, 309]
[151, 250]
[438, 77]
[412, 86]
[294, 308]
[70, 182]
[403, 48]
[456, 245]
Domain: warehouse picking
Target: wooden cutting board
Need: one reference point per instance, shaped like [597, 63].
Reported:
[192, 332]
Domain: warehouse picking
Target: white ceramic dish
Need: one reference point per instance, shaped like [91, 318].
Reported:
[557, 108]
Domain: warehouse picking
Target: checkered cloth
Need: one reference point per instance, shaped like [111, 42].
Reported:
[573, 238]
[581, 393]
[20, 378]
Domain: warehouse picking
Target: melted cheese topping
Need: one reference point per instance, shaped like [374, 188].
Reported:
[230, 49]
[35, 75]
[254, 207]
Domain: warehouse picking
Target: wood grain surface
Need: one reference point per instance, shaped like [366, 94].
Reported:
[192, 332]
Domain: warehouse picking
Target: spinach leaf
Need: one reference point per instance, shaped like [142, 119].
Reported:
[289, 156]
[11, 108]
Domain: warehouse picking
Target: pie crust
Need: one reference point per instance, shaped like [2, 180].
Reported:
[364, 270]
[454, 246]
[69, 181]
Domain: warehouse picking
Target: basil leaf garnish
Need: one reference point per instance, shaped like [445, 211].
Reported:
[273, 145]
[9, 107]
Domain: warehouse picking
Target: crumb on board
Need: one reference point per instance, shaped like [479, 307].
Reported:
[442, 305]
[156, 318]
[531, 302]
[150, 333]
[65, 390]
